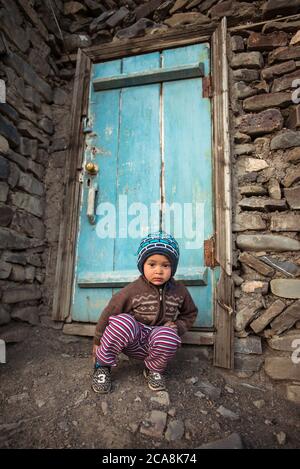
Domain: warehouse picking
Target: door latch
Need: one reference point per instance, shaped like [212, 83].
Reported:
[86, 125]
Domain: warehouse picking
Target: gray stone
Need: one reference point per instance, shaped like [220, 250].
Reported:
[284, 53]
[264, 122]
[239, 137]
[247, 313]
[60, 97]
[255, 286]
[245, 74]
[28, 224]
[14, 174]
[9, 131]
[293, 197]
[76, 41]
[253, 189]
[27, 129]
[17, 274]
[179, 19]
[286, 288]
[248, 221]
[19, 159]
[286, 139]
[274, 189]
[4, 315]
[211, 391]
[9, 239]
[6, 214]
[162, 398]
[282, 368]
[30, 76]
[14, 257]
[30, 184]
[252, 60]
[233, 441]
[287, 318]
[9, 112]
[285, 342]
[36, 169]
[175, 430]
[262, 242]
[248, 345]
[271, 8]
[293, 393]
[292, 176]
[28, 147]
[117, 17]
[4, 188]
[287, 268]
[244, 149]
[237, 44]
[28, 203]
[5, 270]
[154, 426]
[285, 82]
[28, 314]
[24, 293]
[4, 146]
[248, 363]
[293, 155]
[32, 97]
[285, 222]
[266, 101]
[142, 11]
[267, 316]
[264, 42]
[262, 204]
[249, 165]
[226, 413]
[46, 125]
[256, 264]
[241, 90]
[137, 29]
[277, 70]
[16, 34]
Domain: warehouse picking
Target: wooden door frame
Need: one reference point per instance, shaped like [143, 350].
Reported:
[222, 337]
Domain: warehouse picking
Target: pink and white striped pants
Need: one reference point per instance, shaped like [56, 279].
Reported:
[156, 345]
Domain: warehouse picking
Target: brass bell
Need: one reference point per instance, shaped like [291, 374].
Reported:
[91, 168]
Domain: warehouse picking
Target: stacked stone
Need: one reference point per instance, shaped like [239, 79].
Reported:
[265, 75]
[29, 224]
[91, 22]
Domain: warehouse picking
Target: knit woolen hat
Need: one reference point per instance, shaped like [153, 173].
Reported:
[158, 243]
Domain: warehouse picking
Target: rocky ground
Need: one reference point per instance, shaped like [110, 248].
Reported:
[46, 401]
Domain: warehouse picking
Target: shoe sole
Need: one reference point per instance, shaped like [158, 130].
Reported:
[149, 385]
[100, 392]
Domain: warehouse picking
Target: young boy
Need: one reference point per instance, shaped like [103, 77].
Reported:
[145, 319]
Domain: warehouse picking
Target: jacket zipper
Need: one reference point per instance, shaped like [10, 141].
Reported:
[161, 312]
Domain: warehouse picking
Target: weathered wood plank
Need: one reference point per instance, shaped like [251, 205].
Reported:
[190, 337]
[223, 350]
[146, 78]
[68, 225]
[176, 38]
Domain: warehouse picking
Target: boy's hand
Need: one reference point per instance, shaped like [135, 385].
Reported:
[94, 353]
[171, 324]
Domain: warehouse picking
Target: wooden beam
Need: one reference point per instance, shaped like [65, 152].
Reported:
[224, 301]
[178, 37]
[146, 78]
[69, 216]
[190, 337]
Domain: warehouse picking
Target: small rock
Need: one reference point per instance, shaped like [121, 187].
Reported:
[154, 425]
[175, 430]
[259, 404]
[281, 438]
[227, 413]
[81, 398]
[133, 427]
[40, 403]
[17, 398]
[137, 399]
[172, 412]
[192, 380]
[199, 394]
[104, 407]
[161, 398]
[229, 389]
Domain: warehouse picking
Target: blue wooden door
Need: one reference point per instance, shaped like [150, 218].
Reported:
[148, 135]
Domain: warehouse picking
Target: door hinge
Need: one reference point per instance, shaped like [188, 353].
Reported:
[209, 252]
[207, 87]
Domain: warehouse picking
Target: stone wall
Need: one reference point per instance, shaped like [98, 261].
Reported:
[33, 132]
[264, 67]
[264, 62]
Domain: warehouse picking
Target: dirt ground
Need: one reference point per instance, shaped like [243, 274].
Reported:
[46, 401]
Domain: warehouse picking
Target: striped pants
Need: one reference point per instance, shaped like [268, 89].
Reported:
[156, 345]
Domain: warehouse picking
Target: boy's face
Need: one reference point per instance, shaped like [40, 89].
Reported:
[157, 269]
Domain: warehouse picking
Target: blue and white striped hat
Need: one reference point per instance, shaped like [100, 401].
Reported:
[158, 243]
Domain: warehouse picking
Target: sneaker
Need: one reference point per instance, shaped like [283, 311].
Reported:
[155, 380]
[101, 383]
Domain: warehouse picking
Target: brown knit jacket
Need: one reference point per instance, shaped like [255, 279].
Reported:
[151, 305]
